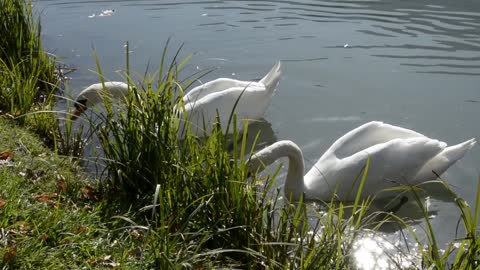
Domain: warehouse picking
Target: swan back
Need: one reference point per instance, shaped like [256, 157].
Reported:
[204, 111]
[392, 163]
[222, 97]
[217, 85]
[269, 81]
[368, 135]
[398, 156]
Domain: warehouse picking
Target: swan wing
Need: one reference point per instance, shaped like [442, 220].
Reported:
[391, 163]
[367, 135]
[215, 86]
[269, 81]
[251, 105]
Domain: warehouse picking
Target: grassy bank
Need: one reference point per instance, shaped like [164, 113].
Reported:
[50, 215]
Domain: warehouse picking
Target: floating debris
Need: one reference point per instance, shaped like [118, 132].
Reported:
[107, 12]
[104, 13]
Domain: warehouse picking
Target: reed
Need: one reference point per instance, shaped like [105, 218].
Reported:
[462, 253]
[29, 79]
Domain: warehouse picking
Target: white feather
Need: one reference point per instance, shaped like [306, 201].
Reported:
[219, 98]
[398, 156]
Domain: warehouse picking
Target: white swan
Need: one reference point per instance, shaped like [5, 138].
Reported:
[397, 156]
[93, 95]
[219, 97]
[203, 103]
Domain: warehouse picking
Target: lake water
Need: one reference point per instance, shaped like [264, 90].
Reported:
[410, 63]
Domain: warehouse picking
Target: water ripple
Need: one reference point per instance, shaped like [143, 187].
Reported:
[401, 27]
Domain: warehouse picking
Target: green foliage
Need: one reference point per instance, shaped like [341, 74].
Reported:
[28, 77]
[49, 218]
[463, 253]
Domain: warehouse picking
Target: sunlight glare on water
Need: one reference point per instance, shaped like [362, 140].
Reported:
[375, 253]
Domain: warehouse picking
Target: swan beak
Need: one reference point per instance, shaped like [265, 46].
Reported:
[80, 107]
[77, 112]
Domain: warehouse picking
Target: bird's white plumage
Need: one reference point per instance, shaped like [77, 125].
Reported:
[94, 93]
[203, 103]
[398, 156]
[219, 98]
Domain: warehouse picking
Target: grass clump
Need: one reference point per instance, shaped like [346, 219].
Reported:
[464, 251]
[29, 76]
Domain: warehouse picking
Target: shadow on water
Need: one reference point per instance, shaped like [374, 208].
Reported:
[260, 134]
[403, 205]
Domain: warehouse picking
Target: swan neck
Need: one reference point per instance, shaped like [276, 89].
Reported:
[294, 185]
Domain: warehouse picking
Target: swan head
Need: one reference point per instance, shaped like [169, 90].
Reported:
[80, 107]
[95, 93]
[84, 101]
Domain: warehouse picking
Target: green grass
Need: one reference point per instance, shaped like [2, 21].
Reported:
[28, 78]
[464, 251]
[50, 218]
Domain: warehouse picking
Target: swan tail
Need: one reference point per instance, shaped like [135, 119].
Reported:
[456, 152]
[272, 78]
[441, 162]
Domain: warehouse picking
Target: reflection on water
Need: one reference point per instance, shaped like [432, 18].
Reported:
[259, 135]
